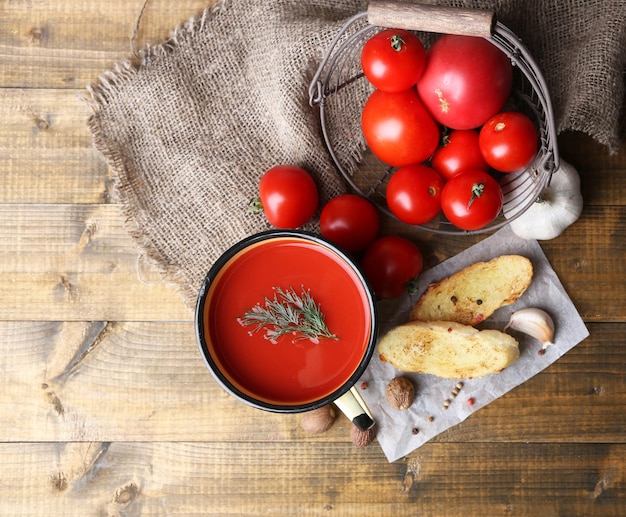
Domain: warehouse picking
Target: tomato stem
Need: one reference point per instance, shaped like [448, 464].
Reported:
[477, 191]
[397, 42]
[255, 205]
[412, 286]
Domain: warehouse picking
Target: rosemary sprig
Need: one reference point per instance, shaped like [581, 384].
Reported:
[288, 313]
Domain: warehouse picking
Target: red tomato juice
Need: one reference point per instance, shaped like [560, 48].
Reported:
[288, 371]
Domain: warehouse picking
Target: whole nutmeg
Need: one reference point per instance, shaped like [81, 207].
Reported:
[361, 438]
[400, 393]
[318, 421]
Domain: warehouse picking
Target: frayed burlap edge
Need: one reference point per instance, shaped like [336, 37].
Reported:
[100, 94]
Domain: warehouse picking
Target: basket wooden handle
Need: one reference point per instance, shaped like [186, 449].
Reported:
[431, 18]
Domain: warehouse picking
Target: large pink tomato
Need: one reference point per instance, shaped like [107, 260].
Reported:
[466, 81]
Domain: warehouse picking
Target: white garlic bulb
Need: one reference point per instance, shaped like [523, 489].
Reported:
[558, 206]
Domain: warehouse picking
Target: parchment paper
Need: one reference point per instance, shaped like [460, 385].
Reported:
[395, 428]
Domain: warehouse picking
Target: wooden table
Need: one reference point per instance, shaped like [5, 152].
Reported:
[106, 408]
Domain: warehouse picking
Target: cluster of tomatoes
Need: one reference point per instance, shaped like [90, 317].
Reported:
[289, 197]
[457, 88]
[461, 85]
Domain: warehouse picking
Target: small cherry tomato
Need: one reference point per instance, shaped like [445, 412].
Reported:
[397, 127]
[288, 195]
[471, 200]
[414, 194]
[393, 60]
[350, 221]
[460, 152]
[390, 263]
[508, 141]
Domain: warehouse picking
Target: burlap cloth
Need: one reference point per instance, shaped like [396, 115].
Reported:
[189, 131]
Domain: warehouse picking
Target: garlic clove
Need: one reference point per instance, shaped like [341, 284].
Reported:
[535, 322]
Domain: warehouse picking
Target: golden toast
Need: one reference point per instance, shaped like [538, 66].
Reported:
[476, 292]
[447, 349]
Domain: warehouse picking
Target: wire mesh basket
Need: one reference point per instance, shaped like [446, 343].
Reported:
[340, 90]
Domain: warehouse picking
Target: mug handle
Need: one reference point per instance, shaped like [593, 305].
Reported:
[353, 406]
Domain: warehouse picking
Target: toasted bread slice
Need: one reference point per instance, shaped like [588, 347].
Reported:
[476, 292]
[447, 349]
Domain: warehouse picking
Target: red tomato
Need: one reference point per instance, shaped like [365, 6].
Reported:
[414, 194]
[508, 141]
[350, 221]
[471, 200]
[466, 81]
[393, 60]
[288, 196]
[460, 152]
[389, 264]
[398, 128]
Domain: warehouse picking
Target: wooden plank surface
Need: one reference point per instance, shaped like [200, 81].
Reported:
[77, 262]
[106, 408]
[68, 44]
[182, 479]
[48, 156]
